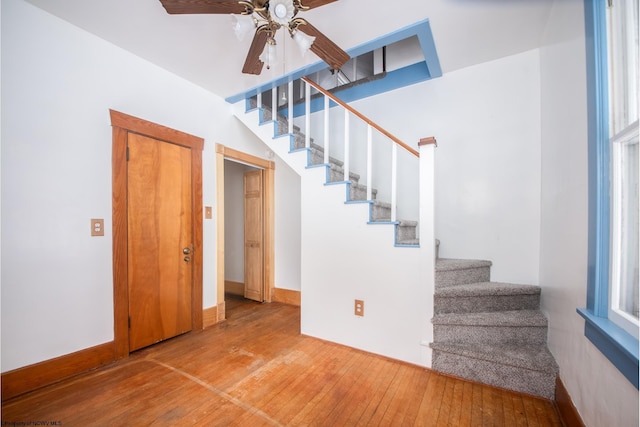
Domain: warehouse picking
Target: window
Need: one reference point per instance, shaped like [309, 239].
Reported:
[622, 59]
[611, 315]
[623, 292]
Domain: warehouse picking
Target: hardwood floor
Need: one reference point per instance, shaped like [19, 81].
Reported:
[256, 369]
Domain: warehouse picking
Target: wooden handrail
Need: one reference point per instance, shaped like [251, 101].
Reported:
[359, 115]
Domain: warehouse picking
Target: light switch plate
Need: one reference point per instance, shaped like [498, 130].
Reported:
[208, 212]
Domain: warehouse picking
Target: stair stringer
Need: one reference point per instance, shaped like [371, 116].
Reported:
[344, 258]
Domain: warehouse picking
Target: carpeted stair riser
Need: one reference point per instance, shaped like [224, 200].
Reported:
[406, 231]
[380, 212]
[504, 327]
[358, 192]
[534, 357]
[486, 297]
[488, 334]
[298, 141]
[317, 158]
[457, 272]
[336, 174]
[523, 380]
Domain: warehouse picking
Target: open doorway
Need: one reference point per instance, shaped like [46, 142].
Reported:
[243, 238]
[245, 262]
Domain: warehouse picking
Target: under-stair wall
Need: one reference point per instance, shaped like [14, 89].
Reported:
[345, 258]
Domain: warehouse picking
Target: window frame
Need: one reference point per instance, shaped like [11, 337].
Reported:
[616, 344]
[618, 143]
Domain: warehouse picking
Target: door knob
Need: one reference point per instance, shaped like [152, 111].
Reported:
[187, 259]
[186, 251]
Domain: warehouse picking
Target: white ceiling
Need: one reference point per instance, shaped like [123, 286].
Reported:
[204, 49]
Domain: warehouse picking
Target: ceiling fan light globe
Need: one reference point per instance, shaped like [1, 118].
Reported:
[243, 25]
[269, 55]
[281, 11]
[304, 41]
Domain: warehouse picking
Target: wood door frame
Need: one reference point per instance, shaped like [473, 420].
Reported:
[268, 219]
[122, 124]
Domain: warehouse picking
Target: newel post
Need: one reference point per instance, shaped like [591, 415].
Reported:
[427, 147]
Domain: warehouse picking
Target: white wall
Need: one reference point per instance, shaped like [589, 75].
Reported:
[58, 83]
[486, 119]
[600, 393]
[288, 227]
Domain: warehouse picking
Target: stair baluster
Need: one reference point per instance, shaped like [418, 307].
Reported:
[290, 107]
[394, 181]
[307, 115]
[274, 103]
[326, 127]
[347, 144]
[369, 161]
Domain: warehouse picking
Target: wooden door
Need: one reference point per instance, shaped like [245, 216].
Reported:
[253, 236]
[160, 241]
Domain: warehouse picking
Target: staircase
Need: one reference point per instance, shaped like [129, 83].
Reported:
[379, 211]
[489, 332]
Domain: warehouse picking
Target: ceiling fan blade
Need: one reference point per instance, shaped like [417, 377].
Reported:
[311, 4]
[327, 50]
[202, 6]
[253, 64]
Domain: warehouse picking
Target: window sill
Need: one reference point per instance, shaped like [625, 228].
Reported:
[615, 343]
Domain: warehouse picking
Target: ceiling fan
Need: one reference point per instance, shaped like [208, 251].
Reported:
[267, 17]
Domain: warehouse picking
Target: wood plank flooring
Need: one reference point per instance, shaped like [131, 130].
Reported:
[256, 369]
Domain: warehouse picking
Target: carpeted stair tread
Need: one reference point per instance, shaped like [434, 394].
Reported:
[486, 289]
[485, 297]
[449, 264]
[517, 318]
[336, 174]
[381, 204]
[359, 186]
[533, 357]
